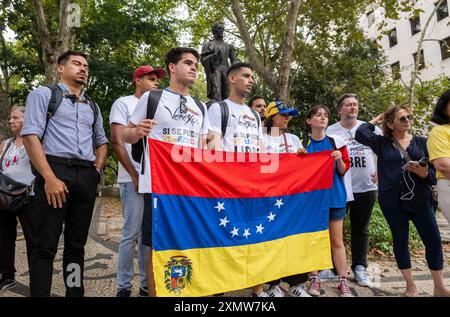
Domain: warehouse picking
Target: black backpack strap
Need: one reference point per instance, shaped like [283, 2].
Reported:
[55, 100]
[333, 142]
[305, 142]
[225, 113]
[258, 118]
[95, 110]
[200, 105]
[138, 148]
[152, 102]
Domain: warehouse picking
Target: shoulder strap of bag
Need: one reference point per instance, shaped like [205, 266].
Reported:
[139, 148]
[285, 142]
[55, 100]
[7, 146]
[333, 142]
[401, 149]
[200, 105]
[225, 113]
[305, 142]
[257, 117]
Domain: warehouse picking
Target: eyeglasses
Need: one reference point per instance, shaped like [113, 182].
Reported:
[183, 106]
[406, 118]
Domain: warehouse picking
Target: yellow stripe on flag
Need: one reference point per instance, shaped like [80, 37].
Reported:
[218, 270]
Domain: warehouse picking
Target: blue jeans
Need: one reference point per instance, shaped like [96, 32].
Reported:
[132, 209]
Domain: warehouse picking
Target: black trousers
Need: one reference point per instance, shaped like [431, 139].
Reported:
[360, 211]
[75, 216]
[8, 235]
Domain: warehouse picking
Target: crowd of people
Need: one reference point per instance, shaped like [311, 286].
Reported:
[59, 149]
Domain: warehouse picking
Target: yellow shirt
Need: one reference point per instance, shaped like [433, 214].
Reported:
[438, 144]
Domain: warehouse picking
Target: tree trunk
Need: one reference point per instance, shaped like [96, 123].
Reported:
[287, 50]
[63, 41]
[253, 55]
[5, 90]
[280, 83]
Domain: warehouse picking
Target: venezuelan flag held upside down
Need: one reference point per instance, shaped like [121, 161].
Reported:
[221, 226]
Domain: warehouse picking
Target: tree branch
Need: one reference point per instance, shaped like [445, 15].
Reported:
[43, 33]
[64, 31]
[249, 46]
[288, 49]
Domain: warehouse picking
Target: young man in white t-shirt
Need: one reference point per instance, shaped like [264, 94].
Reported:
[363, 183]
[243, 131]
[178, 119]
[145, 78]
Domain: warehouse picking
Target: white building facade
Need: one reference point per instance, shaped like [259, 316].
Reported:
[401, 44]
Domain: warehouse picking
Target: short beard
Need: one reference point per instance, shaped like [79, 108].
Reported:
[80, 82]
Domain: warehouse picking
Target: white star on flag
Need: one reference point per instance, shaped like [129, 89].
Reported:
[223, 222]
[271, 217]
[247, 233]
[234, 232]
[279, 203]
[220, 207]
[259, 229]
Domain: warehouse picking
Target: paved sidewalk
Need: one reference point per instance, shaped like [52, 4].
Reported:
[101, 263]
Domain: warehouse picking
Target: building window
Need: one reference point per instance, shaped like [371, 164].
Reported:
[445, 48]
[415, 25]
[442, 11]
[393, 37]
[370, 18]
[395, 68]
[421, 61]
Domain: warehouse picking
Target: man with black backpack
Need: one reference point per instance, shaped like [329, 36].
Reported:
[65, 140]
[169, 115]
[234, 126]
[145, 78]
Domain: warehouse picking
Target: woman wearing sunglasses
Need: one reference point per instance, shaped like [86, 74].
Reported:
[404, 191]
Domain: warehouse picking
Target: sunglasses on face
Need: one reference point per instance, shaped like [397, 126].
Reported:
[406, 118]
[183, 106]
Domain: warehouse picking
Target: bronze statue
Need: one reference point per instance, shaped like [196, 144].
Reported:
[214, 57]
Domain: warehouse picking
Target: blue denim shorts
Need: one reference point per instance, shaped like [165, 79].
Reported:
[335, 213]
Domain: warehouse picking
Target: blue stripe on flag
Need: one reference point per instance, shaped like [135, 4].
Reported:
[181, 223]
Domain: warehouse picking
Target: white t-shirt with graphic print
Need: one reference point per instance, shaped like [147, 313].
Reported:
[173, 126]
[121, 111]
[277, 144]
[242, 133]
[362, 157]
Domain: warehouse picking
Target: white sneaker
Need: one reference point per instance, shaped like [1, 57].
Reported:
[361, 276]
[275, 291]
[298, 291]
[327, 275]
[260, 294]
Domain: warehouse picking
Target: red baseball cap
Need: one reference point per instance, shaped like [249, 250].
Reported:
[147, 69]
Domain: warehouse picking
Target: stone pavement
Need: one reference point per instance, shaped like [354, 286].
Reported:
[101, 263]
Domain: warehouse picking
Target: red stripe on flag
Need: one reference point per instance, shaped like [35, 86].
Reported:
[179, 170]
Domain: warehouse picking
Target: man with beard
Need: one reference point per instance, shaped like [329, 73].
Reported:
[68, 151]
[363, 182]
